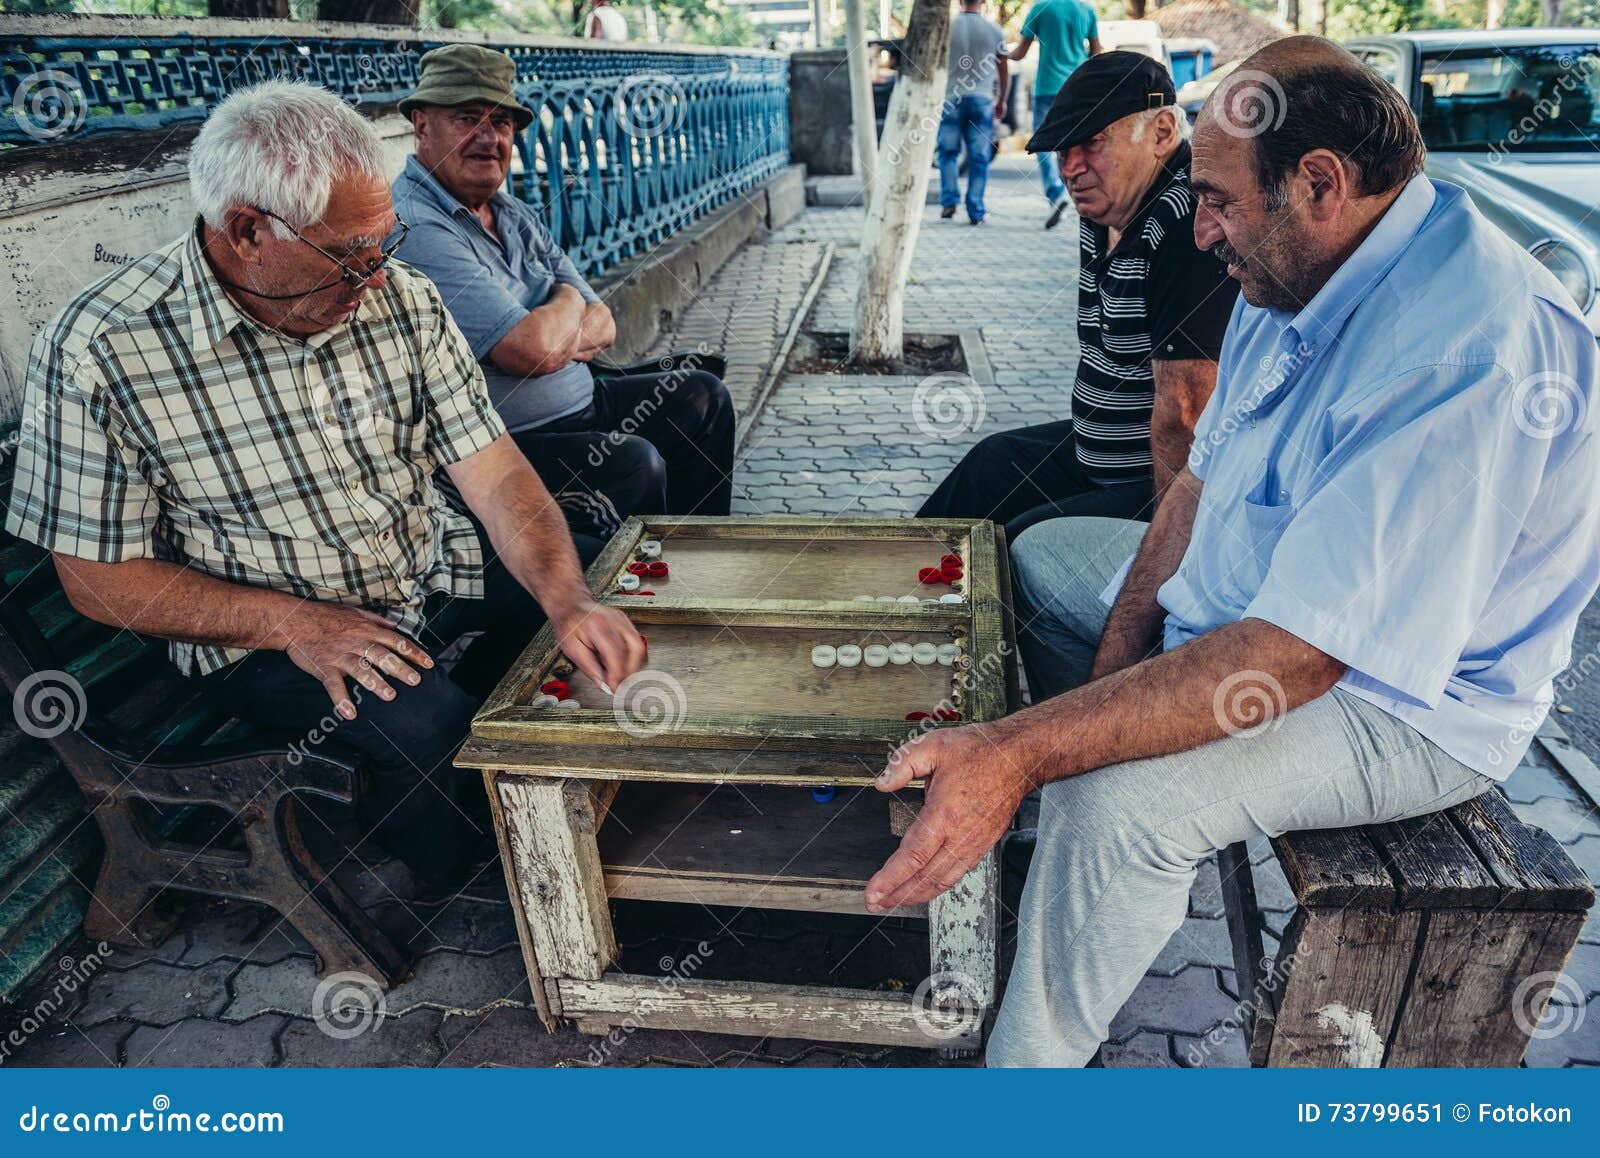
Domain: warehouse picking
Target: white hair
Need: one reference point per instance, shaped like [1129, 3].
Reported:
[1147, 117]
[279, 146]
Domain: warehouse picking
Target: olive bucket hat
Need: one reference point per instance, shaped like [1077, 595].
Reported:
[458, 74]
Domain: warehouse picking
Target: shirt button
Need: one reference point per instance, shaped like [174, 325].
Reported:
[330, 420]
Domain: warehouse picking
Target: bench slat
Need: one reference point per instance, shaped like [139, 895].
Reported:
[1433, 865]
[1533, 870]
[1334, 867]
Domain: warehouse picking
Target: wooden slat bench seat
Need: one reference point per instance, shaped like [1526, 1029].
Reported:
[183, 798]
[1429, 942]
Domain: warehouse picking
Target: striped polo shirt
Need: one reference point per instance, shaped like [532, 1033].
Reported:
[1154, 296]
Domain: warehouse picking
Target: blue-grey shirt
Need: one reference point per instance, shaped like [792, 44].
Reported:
[1405, 475]
[489, 285]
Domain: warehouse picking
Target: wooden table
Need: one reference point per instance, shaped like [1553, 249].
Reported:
[690, 785]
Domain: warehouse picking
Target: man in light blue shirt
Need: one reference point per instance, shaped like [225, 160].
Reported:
[1351, 606]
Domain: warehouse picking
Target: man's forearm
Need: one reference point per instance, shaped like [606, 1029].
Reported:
[546, 339]
[1183, 387]
[596, 332]
[1136, 617]
[168, 601]
[1169, 703]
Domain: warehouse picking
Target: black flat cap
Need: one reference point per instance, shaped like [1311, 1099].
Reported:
[1104, 88]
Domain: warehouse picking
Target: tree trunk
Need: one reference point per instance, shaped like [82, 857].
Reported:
[235, 9]
[862, 112]
[1289, 13]
[370, 11]
[900, 185]
[1494, 12]
[1135, 9]
[1550, 11]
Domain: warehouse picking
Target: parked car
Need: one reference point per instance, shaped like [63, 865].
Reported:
[1513, 116]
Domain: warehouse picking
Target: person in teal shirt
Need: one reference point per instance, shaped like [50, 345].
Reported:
[1068, 32]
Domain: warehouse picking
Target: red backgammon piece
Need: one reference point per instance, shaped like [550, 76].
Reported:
[658, 569]
[930, 575]
[638, 568]
[947, 714]
[949, 562]
[951, 574]
[560, 689]
[919, 715]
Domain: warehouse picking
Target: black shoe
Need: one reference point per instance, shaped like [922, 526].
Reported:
[947, 212]
[1056, 211]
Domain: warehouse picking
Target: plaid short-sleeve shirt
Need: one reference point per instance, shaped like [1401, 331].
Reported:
[161, 422]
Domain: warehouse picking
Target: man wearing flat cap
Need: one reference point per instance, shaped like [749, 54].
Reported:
[637, 444]
[1151, 312]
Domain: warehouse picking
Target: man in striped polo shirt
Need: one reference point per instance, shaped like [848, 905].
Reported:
[1151, 312]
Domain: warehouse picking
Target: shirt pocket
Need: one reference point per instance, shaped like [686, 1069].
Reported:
[1264, 524]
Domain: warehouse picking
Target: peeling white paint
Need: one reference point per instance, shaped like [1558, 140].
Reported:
[1357, 1036]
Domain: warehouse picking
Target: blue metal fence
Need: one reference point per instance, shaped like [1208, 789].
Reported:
[625, 149]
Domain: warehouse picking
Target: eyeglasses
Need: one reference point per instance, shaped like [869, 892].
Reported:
[353, 277]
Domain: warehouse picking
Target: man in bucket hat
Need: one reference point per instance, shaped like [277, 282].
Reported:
[639, 444]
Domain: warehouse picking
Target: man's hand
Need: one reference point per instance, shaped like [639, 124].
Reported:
[601, 641]
[331, 643]
[974, 788]
[999, 111]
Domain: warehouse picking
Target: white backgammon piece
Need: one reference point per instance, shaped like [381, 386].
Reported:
[924, 653]
[824, 655]
[650, 548]
[950, 598]
[885, 599]
[849, 655]
[569, 704]
[628, 582]
[545, 701]
[909, 599]
[866, 599]
[930, 602]
[899, 653]
[875, 655]
[948, 653]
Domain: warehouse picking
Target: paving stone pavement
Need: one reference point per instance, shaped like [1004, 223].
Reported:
[235, 986]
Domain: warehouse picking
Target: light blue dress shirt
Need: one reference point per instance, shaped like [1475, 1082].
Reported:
[1405, 475]
[490, 285]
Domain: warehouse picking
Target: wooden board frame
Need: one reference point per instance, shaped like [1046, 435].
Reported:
[507, 716]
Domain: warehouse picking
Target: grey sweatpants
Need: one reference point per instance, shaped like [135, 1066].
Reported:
[1118, 847]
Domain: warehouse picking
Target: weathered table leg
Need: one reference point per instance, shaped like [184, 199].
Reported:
[556, 879]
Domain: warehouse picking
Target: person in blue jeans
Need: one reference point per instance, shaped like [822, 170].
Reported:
[974, 99]
[1068, 32]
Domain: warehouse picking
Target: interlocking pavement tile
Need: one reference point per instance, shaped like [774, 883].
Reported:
[222, 929]
[1223, 1048]
[1205, 895]
[1530, 781]
[199, 1042]
[1566, 820]
[158, 994]
[461, 924]
[1142, 1051]
[1191, 1002]
[509, 1035]
[411, 1040]
[1198, 941]
[447, 981]
[1586, 853]
[1566, 1033]
[71, 1046]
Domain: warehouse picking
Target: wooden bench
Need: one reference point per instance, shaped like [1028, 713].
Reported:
[1429, 942]
[183, 797]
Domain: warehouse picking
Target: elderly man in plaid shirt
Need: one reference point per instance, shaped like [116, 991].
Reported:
[232, 447]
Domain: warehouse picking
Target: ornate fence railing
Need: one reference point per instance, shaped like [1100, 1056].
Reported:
[626, 147]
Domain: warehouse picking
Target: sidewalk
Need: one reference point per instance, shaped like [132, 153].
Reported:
[235, 986]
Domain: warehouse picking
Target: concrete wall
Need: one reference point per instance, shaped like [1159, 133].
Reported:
[819, 113]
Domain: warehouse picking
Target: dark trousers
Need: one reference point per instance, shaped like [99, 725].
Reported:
[430, 814]
[650, 444]
[1022, 477]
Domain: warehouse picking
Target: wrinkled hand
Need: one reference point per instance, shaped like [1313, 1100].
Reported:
[973, 790]
[601, 641]
[332, 643]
